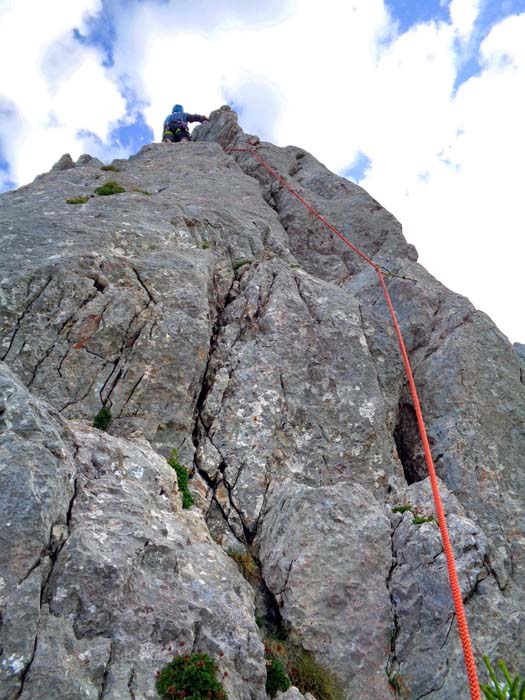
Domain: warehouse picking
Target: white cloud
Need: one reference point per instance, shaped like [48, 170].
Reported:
[465, 213]
[504, 46]
[463, 14]
[54, 86]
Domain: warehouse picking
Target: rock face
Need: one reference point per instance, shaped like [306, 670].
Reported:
[212, 313]
[103, 573]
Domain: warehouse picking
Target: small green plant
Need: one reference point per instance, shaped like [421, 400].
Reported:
[303, 670]
[112, 168]
[402, 509]
[77, 200]
[239, 263]
[314, 678]
[294, 266]
[110, 187]
[182, 479]
[103, 419]
[245, 562]
[276, 677]
[205, 245]
[192, 677]
[420, 519]
[507, 689]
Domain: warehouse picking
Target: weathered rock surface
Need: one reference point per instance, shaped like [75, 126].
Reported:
[114, 301]
[211, 312]
[326, 557]
[104, 575]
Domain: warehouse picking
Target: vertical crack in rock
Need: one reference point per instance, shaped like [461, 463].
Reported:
[38, 365]
[452, 620]
[392, 662]
[56, 546]
[79, 399]
[406, 436]
[144, 286]
[24, 312]
[130, 395]
[107, 669]
[24, 673]
[50, 553]
[131, 684]
[201, 430]
[126, 348]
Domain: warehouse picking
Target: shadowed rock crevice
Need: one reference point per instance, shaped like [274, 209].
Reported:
[408, 443]
[392, 662]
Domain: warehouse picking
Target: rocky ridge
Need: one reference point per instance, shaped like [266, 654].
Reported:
[213, 314]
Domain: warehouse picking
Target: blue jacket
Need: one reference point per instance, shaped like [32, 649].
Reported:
[183, 118]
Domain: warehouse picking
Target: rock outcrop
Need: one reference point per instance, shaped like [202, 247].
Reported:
[212, 313]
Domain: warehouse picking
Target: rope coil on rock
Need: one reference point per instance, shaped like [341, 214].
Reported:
[457, 598]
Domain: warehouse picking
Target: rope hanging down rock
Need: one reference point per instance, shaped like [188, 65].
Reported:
[457, 598]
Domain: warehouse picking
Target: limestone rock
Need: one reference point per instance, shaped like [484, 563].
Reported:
[212, 313]
[103, 567]
[64, 163]
[326, 554]
[114, 303]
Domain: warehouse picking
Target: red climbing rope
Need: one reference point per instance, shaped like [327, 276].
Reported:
[464, 634]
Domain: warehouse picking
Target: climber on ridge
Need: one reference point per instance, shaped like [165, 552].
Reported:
[176, 125]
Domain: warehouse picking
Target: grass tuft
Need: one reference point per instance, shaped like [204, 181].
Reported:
[108, 188]
[183, 477]
[77, 200]
[303, 670]
[420, 519]
[239, 263]
[103, 419]
[402, 509]
[245, 562]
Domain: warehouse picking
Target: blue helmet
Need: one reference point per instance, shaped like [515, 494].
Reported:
[177, 108]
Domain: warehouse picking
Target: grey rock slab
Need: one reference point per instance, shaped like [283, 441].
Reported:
[37, 477]
[140, 571]
[113, 302]
[420, 592]
[292, 391]
[325, 554]
[104, 575]
[66, 667]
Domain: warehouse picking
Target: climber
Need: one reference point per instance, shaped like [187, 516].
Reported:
[176, 125]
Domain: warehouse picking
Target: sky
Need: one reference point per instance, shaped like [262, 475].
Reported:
[421, 102]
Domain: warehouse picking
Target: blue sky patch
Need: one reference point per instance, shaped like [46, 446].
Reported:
[490, 13]
[133, 136]
[5, 181]
[407, 12]
[100, 33]
[357, 170]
